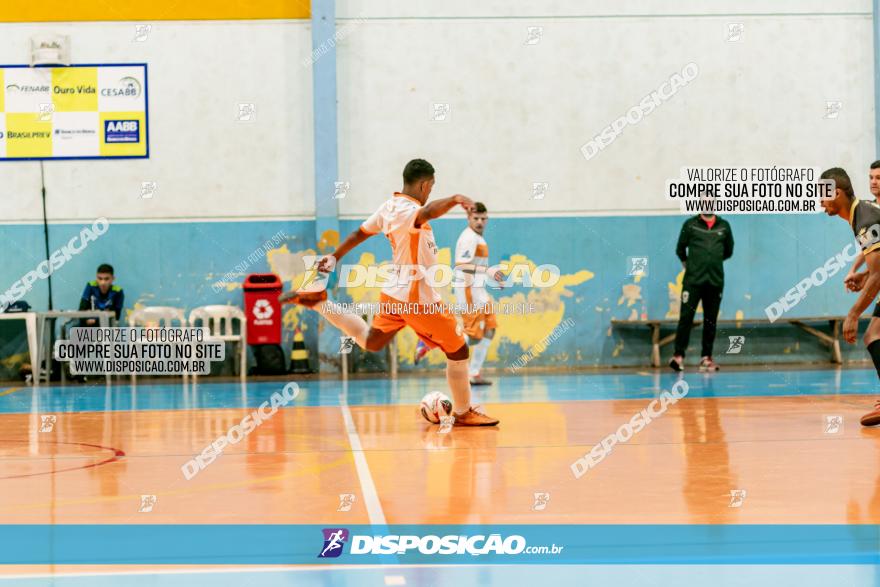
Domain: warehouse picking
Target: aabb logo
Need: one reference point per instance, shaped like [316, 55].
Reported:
[263, 310]
[122, 131]
[334, 540]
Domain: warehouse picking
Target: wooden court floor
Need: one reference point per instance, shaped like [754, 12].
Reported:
[734, 432]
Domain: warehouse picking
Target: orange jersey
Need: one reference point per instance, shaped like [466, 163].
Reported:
[412, 249]
[471, 249]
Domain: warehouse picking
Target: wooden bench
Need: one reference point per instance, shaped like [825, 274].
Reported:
[830, 339]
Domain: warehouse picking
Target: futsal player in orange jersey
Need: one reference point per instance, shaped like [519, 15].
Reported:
[409, 300]
[471, 270]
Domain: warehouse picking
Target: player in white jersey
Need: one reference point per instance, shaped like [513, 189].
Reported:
[471, 273]
[409, 300]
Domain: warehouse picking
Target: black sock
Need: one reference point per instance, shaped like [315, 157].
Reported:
[874, 351]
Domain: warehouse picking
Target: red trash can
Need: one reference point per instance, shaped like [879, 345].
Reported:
[261, 306]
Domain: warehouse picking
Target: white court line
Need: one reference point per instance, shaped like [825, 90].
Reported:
[371, 497]
[226, 569]
[218, 569]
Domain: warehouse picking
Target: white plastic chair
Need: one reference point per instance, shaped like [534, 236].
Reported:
[153, 316]
[219, 322]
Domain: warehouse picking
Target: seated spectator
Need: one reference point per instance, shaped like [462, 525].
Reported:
[101, 294]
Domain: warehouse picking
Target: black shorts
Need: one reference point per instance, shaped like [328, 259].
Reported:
[876, 313]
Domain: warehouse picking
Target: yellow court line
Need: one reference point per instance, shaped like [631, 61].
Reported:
[10, 390]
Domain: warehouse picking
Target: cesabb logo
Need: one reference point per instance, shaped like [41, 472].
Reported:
[122, 131]
[128, 87]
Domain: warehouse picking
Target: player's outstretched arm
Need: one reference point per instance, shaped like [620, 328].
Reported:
[438, 208]
[351, 241]
[869, 293]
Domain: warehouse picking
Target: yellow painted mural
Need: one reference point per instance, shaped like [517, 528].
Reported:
[524, 329]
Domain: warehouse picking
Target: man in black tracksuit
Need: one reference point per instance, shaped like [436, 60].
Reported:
[705, 242]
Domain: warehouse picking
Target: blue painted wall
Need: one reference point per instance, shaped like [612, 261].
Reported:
[177, 264]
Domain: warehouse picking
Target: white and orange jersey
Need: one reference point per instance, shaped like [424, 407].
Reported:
[471, 249]
[412, 249]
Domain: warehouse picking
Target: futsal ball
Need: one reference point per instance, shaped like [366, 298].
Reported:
[435, 405]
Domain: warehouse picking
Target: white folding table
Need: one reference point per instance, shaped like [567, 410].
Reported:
[30, 320]
[105, 318]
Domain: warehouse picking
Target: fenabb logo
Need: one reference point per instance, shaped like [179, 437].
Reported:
[26, 88]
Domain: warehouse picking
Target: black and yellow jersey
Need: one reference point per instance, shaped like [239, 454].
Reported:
[864, 218]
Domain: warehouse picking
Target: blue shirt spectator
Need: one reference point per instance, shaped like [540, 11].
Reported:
[101, 294]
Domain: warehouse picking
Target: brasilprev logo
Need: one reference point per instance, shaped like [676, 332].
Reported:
[334, 540]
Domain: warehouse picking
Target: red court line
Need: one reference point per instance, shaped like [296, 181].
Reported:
[117, 454]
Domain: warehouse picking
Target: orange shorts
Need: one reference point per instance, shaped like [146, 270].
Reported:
[433, 323]
[477, 323]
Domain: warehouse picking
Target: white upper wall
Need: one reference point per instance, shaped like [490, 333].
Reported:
[520, 112]
[579, 8]
[206, 163]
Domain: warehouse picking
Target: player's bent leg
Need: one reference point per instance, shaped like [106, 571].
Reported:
[459, 384]
[872, 342]
[478, 357]
[351, 324]
[385, 325]
[309, 299]
[461, 354]
[485, 330]
[872, 334]
[421, 350]
[439, 329]
[378, 339]
[457, 379]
